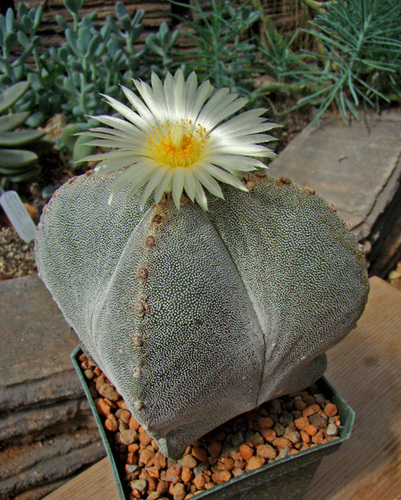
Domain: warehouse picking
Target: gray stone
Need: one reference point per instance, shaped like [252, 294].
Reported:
[319, 420]
[292, 435]
[59, 458]
[279, 429]
[39, 492]
[35, 365]
[47, 430]
[286, 452]
[332, 430]
[254, 437]
[63, 385]
[286, 418]
[238, 438]
[139, 484]
[354, 167]
[36, 340]
[17, 459]
[128, 436]
[21, 424]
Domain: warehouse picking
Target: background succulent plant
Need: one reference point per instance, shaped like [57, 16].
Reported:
[196, 317]
[17, 162]
[92, 60]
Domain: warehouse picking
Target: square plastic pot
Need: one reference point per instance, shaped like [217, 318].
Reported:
[286, 478]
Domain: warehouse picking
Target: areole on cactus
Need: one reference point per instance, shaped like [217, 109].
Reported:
[197, 313]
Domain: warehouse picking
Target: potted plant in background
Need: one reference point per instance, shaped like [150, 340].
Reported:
[197, 307]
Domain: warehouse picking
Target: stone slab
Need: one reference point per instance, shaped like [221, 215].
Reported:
[357, 168]
[51, 460]
[35, 346]
[33, 423]
[43, 391]
[18, 459]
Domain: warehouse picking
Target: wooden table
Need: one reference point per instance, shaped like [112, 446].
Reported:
[366, 369]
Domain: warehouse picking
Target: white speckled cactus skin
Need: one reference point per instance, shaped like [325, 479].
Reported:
[197, 317]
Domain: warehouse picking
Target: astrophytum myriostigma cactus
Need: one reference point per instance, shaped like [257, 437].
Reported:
[197, 316]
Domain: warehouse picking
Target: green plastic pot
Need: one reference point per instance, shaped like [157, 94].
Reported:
[286, 478]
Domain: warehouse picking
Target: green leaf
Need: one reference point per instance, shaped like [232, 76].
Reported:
[29, 175]
[120, 10]
[10, 122]
[93, 45]
[35, 119]
[12, 94]
[38, 17]
[81, 149]
[10, 21]
[14, 158]
[61, 21]
[20, 138]
[71, 39]
[10, 40]
[16, 170]
[68, 136]
[72, 5]
[27, 24]
[23, 39]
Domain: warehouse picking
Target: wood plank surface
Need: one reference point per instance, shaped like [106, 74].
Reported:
[366, 369]
[96, 483]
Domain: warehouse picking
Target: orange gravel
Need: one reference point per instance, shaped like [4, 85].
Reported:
[275, 430]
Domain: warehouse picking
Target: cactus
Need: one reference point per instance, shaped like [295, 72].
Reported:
[197, 316]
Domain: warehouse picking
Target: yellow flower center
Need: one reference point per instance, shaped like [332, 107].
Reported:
[178, 144]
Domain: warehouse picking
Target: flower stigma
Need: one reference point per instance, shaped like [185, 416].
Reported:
[177, 145]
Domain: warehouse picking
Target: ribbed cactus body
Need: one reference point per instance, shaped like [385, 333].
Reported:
[197, 317]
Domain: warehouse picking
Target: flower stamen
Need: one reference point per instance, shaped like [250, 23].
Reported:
[179, 146]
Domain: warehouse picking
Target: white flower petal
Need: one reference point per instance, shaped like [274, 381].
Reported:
[201, 95]
[237, 162]
[223, 176]
[225, 112]
[126, 112]
[163, 186]
[110, 143]
[178, 185]
[168, 95]
[190, 87]
[103, 133]
[110, 165]
[162, 98]
[245, 121]
[207, 180]
[132, 175]
[189, 184]
[155, 105]
[179, 95]
[200, 195]
[143, 110]
[116, 123]
[154, 181]
[240, 149]
[173, 140]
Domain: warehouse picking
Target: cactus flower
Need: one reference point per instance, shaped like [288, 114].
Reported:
[175, 140]
[197, 316]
